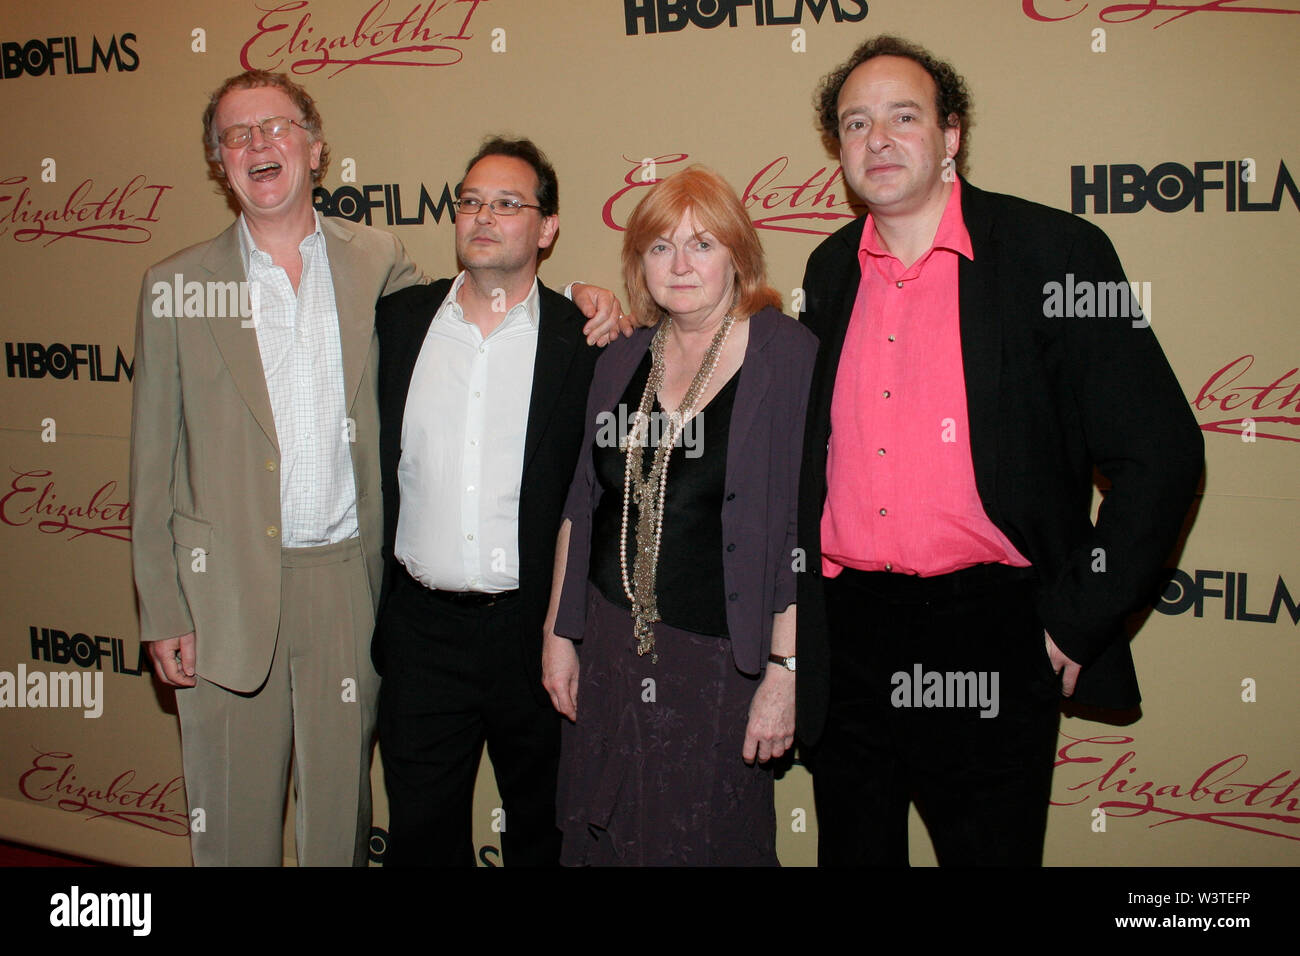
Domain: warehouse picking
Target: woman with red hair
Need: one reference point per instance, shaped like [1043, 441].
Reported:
[670, 642]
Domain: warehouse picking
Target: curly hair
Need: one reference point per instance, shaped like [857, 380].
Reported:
[256, 79]
[952, 99]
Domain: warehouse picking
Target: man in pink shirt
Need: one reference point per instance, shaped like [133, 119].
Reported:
[954, 426]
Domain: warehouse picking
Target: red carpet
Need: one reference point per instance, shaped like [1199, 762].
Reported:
[12, 854]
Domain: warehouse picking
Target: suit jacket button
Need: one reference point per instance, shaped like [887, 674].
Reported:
[731, 547]
[270, 465]
[272, 532]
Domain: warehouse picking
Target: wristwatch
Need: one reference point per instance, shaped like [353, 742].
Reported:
[786, 662]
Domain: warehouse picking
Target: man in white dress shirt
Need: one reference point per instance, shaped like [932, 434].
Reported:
[483, 384]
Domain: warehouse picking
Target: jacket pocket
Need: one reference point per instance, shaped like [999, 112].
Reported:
[191, 533]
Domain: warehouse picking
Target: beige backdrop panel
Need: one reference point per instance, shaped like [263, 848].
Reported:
[125, 184]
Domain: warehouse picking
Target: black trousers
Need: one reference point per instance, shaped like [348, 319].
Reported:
[942, 693]
[454, 677]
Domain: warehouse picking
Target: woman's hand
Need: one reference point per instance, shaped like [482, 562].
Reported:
[560, 673]
[770, 732]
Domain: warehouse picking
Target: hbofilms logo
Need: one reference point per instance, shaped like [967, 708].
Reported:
[1185, 592]
[670, 16]
[355, 203]
[37, 57]
[1172, 187]
[59, 360]
[52, 645]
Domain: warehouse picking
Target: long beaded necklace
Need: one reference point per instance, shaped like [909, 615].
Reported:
[647, 488]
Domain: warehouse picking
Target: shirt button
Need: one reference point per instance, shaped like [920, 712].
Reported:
[883, 512]
[731, 547]
[891, 338]
[482, 349]
[888, 566]
[270, 465]
[732, 596]
[886, 393]
[473, 442]
[732, 495]
[272, 532]
[470, 488]
[899, 283]
[880, 451]
[476, 394]
[470, 537]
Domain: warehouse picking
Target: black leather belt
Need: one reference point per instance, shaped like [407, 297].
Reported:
[911, 589]
[472, 598]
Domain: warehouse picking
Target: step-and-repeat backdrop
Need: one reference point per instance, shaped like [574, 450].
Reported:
[1168, 125]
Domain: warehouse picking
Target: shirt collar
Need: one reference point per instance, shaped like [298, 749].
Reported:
[951, 235]
[248, 247]
[530, 308]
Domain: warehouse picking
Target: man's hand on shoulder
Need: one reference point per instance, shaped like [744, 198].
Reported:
[606, 318]
[173, 660]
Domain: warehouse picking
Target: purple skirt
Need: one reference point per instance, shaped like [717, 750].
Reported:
[651, 774]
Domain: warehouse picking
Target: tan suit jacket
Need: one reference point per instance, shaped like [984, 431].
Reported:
[205, 461]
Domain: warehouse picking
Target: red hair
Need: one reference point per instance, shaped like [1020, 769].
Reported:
[699, 192]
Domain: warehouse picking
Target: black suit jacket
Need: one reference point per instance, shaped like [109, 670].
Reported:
[1049, 400]
[561, 378]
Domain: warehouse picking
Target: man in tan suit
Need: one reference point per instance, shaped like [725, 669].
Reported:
[255, 488]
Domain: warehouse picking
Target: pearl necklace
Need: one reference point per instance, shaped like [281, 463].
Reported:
[647, 488]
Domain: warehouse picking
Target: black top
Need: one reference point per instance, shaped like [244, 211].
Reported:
[689, 581]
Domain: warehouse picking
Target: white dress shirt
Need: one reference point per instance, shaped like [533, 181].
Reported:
[462, 457]
[302, 357]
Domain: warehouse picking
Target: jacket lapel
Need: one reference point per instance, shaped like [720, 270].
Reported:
[237, 343]
[755, 378]
[839, 311]
[355, 304]
[981, 335]
[405, 342]
[556, 343]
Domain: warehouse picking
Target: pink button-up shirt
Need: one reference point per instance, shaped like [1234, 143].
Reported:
[901, 486]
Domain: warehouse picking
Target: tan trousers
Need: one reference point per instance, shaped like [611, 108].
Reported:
[317, 703]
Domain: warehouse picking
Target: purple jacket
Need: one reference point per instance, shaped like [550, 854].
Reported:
[764, 448]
